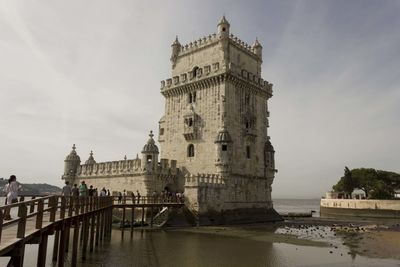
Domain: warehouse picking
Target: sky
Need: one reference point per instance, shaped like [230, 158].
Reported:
[89, 72]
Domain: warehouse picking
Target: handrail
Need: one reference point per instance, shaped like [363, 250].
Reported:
[62, 207]
[58, 207]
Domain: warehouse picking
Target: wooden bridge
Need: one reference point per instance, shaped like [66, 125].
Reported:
[87, 221]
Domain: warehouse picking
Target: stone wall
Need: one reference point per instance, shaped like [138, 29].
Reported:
[361, 204]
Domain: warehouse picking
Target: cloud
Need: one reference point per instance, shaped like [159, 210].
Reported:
[88, 73]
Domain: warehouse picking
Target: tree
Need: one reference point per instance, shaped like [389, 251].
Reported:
[348, 183]
[376, 184]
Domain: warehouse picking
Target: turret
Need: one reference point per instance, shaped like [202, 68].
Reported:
[269, 154]
[257, 49]
[176, 48]
[223, 28]
[223, 150]
[71, 164]
[90, 160]
[150, 153]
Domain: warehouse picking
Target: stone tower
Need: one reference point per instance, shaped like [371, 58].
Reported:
[216, 125]
[71, 164]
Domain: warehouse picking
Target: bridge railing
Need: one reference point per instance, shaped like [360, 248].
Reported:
[55, 207]
[148, 199]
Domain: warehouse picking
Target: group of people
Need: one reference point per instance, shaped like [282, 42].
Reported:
[83, 190]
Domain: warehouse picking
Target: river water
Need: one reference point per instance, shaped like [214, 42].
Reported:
[208, 247]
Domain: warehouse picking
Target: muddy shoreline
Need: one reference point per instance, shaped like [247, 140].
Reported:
[374, 238]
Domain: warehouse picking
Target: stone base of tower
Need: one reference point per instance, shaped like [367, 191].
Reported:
[239, 216]
[233, 199]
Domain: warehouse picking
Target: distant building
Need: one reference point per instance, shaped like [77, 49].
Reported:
[213, 136]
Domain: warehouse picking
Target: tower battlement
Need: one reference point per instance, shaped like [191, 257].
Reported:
[204, 73]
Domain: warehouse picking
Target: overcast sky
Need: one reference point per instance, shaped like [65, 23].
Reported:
[89, 72]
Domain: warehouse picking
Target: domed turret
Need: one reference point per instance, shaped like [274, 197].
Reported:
[149, 154]
[223, 150]
[71, 164]
[257, 48]
[90, 160]
[223, 28]
[176, 48]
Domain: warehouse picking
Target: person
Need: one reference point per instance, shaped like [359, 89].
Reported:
[67, 190]
[83, 190]
[108, 192]
[124, 195]
[75, 191]
[12, 195]
[91, 191]
[138, 196]
[119, 197]
[133, 197]
[103, 192]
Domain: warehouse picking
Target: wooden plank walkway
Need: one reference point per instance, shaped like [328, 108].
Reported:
[90, 219]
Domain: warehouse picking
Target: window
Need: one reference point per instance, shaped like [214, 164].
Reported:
[192, 97]
[161, 131]
[194, 71]
[248, 152]
[247, 125]
[224, 147]
[190, 151]
[190, 122]
[149, 158]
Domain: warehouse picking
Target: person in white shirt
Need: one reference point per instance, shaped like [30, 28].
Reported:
[11, 190]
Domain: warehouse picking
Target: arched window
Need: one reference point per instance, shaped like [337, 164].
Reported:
[190, 151]
[194, 71]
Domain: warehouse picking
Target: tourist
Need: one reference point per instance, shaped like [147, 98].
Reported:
[133, 197]
[11, 190]
[66, 190]
[103, 192]
[75, 191]
[91, 191]
[108, 193]
[119, 197]
[124, 195]
[83, 190]
[138, 196]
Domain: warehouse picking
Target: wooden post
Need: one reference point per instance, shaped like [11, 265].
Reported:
[61, 251]
[39, 216]
[53, 203]
[32, 206]
[97, 227]
[101, 224]
[92, 224]
[1, 222]
[22, 210]
[63, 207]
[132, 217]
[123, 218]
[85, 227]
[41, 259]
[75, 242]
[142, 215]
[67, 233]
[151, 218]
[70, 206]
[55, 247]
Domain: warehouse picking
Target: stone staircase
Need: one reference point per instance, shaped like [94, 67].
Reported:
[161, 218]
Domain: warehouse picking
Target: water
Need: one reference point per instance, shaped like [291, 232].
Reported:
[284, 206]
[261, 245]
